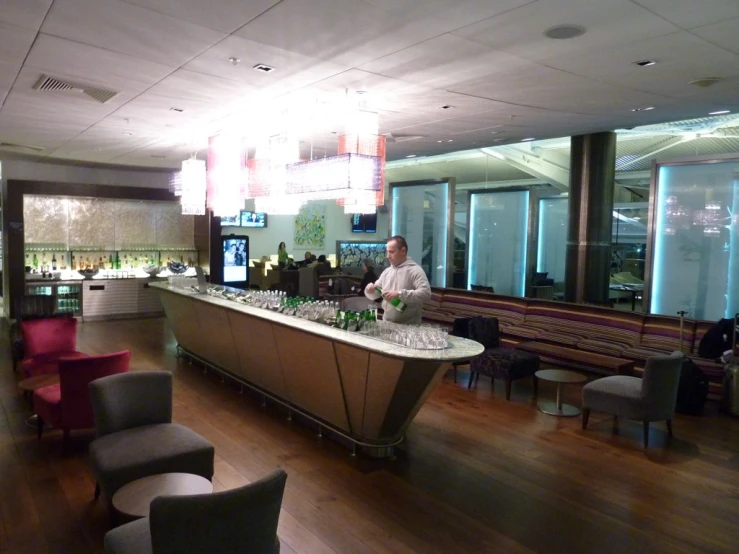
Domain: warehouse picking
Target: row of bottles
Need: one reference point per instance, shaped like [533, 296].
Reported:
[45, 262]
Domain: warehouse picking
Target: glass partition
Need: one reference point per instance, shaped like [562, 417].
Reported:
[696, 246]
[421, 215]
[498, 241]
[552, 240]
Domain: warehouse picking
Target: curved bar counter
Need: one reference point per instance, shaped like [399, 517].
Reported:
[366, 390]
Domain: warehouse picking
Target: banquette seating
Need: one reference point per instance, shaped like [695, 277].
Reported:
[578, 330]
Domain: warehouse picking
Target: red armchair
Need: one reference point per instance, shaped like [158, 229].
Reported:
[45, 341]
[67, 405]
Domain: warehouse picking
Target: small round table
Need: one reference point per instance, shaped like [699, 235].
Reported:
[560, 376]
[134, 498]
[37, 382]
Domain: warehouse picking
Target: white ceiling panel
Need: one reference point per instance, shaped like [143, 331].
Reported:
[89, 65]
[24, 13]
[722, 34]
[366, 31]
[443, 61]
[129, 29]
[14, 45]
[680, 57]
[612, 23]
[225, 16]
[689, 13]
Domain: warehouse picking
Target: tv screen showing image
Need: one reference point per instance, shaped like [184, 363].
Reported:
[256, 220]
[230, 221]
[357, 225]
[370, 223]
[235, 259]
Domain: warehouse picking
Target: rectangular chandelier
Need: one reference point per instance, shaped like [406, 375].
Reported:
[193, 186]
[334, 177]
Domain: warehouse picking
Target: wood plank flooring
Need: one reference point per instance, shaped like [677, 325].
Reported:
[476, 473]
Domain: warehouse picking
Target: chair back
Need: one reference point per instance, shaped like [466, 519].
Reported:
[229, 522]
[54, 334]
[130, 400]
[660, 383]
[485, 331]
[75, 375]
[461, 327]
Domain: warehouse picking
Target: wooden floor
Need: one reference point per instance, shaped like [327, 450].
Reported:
[476, 474]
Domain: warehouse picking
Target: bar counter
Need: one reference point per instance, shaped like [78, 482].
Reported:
[366, 390]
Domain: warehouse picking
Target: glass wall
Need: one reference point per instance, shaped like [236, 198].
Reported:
[421, 215]
[696, 245]
[629, 241]
[498, 241]
[552, 240]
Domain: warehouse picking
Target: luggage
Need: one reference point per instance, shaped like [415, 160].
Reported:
[717, 340]
[692, 390]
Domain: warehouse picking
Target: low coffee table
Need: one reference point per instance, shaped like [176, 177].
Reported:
[134, 498]
[560, 376]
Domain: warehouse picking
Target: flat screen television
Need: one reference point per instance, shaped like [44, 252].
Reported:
[235, 259]
[364, 223]
[255, 220]
[230, 221]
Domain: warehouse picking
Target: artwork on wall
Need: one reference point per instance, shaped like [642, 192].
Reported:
[310, 227]
[351, 254]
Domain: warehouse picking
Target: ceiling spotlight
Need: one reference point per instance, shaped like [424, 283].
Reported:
[264, 68]
[562, 32]
[127, 134]
[644, 109]
[498, 140]
[178, 110]
[720, 112]
[528, 139]
[446, 107]
[361, 92]
[644, 63]
[439, 141]
[494, 132]
[234, 60]
[450, 140]
[705, 82]
[411, 156]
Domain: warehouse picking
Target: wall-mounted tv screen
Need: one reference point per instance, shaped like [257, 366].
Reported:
[235, 259]
[364, 223]
[230, 221]
[256, 220]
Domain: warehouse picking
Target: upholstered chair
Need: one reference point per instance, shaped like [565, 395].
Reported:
[67, 405]
[496, 361]
[135, 434]
[47, 340]
[230, 522]
[649, 398]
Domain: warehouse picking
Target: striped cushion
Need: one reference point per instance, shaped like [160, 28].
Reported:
[508, 309]
[663, 333]
[520, 331]
[641, 353]
[563, 339]
[608, 348]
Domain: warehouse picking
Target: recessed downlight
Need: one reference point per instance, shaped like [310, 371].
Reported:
[127, 134]
[720, 112]
[264, 68]
[529, 139]
[563, 32]
[644, 109]
[234, 60]
[178, 110]
[446, 107]
[644, 63]
[411, 156]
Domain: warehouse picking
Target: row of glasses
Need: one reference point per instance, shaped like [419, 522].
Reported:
[182, 282]
[419, 337]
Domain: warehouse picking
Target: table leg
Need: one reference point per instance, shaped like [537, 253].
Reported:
[559, 397]
[558, 408]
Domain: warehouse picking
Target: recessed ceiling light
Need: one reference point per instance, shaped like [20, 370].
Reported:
[411, 156]
[705, 82]
[720, 112]
[494, 132]
[644, 109]
[498, 140]
[264, 68]
[450, 140]
[127, 134]
[644, 63]
[178, 110]
[439, 141]
[446, 107]
[234, 60]
[528, 139]
[361, 92]
[562, 32]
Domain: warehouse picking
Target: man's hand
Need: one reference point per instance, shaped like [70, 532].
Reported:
[370, 288]
[391, 295]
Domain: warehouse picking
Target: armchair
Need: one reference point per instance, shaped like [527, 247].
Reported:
[650, 398]
[45, 342]
[67, 405]
[229, 522]
[135, 434]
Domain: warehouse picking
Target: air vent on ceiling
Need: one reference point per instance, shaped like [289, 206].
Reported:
[21, 147]
[51, 84]
[396, 137]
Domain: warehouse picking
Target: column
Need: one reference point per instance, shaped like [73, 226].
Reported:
[588, 262]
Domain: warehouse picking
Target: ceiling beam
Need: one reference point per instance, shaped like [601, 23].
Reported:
[525, 159]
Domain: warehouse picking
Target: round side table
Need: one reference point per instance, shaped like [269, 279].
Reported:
[561, 377]
[134, 498]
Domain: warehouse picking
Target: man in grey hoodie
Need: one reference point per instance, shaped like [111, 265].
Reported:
[404, 279]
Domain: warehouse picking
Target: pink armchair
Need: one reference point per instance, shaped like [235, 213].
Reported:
[45, 341]
[67, 405]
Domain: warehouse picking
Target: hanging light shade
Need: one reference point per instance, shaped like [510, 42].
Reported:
[193, 186]
[227, 175]
[334, 177]
[175, 183]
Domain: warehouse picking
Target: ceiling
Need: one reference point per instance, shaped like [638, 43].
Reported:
[488, 59]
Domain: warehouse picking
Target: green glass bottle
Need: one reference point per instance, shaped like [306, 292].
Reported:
[396, 303]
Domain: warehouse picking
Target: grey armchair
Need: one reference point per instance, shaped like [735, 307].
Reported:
[135, 434]
[236, 521]
[651, 398]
